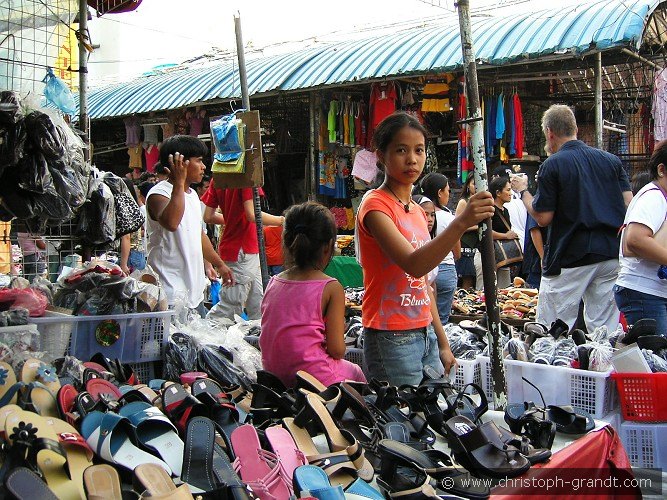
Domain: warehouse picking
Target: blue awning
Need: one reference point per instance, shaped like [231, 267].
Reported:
[564, 32]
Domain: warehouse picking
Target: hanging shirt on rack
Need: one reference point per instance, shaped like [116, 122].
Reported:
[350, 125]
[365, 166]
[151, 156]
[346, 123]
[511, 140]
[659, 107]
[151, 134]
[327, 174]
[360, 124]
[332, 120]
[197, 123]
[500, 117]
[132, 131]
[518, 125]
[382, 104]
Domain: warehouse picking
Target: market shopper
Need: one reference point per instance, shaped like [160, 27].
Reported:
[501, 226]
[582, 193]
[396, 254]
[639, 292]
[466, 265]
[177, 246]
[303, 310]
[33, 248]
[239, 248]
[132, 248]
[435, 186]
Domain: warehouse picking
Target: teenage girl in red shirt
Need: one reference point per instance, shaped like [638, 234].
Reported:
[396, 253]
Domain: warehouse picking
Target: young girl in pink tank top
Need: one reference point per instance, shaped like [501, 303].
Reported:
[303, 310]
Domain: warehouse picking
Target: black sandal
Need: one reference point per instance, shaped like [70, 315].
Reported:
[570, 420]
[458, 402]
[388, 404]
[531, 421]
[450, 478]
[481, 450]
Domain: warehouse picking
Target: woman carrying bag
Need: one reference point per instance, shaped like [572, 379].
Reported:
[502, 232]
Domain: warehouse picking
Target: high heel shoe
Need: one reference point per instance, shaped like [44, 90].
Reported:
[337, 439]
[441, 475]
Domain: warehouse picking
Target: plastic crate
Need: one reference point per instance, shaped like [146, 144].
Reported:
[642, 396]
[645, 444]
[355, 355]
[485, 376]
[142, 335]
[147, 371]
[467, 373]
[591, 391]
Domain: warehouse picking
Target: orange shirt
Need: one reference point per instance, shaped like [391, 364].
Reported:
[393, 300]
[273, 242]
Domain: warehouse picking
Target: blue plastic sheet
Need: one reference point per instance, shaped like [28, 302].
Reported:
[225, 134]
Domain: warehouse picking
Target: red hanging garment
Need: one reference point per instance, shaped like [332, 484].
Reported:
[518, 127]
[382, 104]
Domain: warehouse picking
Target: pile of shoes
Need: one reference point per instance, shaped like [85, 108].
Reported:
[354, 297]
[91, 429]
[516, 302]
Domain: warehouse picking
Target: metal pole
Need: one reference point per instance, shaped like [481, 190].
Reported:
[83, 78]
[598, 100]
[314, 103]
[255, 190]
[486, 248]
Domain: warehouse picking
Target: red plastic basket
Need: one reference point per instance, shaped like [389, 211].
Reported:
[643, 396]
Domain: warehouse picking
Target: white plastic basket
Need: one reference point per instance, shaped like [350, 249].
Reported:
[467, 373]
[591, 391]
[142, 335]
[645, 444]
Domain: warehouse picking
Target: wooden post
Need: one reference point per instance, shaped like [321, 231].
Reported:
[255, 190]
[488, 255]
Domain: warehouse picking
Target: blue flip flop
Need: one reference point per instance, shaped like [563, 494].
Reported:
[155, 432]
[310, 480]
[110, 435]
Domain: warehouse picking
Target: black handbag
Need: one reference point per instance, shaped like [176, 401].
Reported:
[128, 215]
[507, 252]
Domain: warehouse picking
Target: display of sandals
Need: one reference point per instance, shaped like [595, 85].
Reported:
[210, 438]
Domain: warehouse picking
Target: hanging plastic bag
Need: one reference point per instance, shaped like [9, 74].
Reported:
[58, 93]
[97, 218]
[225, 134]
[34, 173]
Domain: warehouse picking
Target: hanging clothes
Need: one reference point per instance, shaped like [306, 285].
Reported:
[382, 104]
[360, 124]
[132, 131]
[332, 120]
[435, 97]
[465, 166]
[151, 134]
[647, 131]
[500, 116]
[350, 125]
[346, 124]
[659, 106]
[511, 139]
[151, 156]
[518, 126]
[327, 174]
[197, 123]
[324, 132]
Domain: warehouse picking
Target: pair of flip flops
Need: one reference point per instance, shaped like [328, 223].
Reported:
[122, 438]
[35, 388]
[49, 447]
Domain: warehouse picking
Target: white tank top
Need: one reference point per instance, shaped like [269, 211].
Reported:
[177, 256]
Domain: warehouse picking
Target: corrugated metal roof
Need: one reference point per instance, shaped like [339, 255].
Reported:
[600, 25]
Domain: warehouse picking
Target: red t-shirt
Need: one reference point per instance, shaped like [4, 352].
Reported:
[273, 241]
[239, 234]
[393, 299]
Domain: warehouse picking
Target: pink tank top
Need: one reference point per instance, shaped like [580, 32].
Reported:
[292, 337]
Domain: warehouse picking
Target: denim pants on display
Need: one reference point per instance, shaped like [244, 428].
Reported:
[136, 260]
[399, 356]
[445, 286]
[637, 305]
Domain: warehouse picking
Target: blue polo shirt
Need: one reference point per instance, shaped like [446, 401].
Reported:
[584, 188]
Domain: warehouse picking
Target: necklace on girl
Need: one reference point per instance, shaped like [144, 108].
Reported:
[406, 206]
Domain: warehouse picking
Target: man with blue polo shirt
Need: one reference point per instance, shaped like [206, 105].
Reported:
[582, 194]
